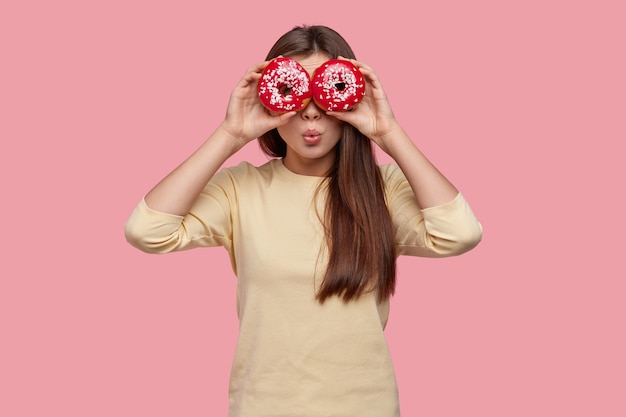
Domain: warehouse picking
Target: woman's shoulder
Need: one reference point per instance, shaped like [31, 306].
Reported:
[391, 174]
[389, 169]
[247, 168]
[245, 172]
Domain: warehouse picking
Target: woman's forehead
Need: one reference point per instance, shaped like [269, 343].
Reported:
[313, 61]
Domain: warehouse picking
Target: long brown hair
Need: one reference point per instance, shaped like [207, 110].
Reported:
[358, 227]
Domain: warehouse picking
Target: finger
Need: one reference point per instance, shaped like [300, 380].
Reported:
[357, 63]
[286, 116]
[277, 120]
[254, 72]
[344, 116]
[371, 77]
[368, 72]
[252, 75]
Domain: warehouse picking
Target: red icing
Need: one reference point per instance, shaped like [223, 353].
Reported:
[338, 85]
[284, 86]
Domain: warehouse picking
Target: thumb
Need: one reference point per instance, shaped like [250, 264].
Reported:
[283, 118]
[344, 116]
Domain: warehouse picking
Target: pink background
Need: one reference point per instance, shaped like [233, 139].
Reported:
[520, 103]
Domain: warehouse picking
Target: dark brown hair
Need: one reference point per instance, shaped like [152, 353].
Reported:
[358, 227]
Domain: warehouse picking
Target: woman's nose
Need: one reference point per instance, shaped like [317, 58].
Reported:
[311, 112]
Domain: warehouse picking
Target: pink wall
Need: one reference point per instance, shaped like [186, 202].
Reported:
[521, 104]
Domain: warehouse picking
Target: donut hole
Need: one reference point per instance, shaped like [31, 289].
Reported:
[285, 90]
[340, 86]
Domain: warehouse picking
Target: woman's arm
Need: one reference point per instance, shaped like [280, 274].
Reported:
[375, 119]
[431, 188]
[245, 120]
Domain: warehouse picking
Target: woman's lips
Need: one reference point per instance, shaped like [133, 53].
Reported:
[312, 137]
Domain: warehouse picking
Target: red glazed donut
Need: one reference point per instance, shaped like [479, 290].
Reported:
[338, 85]
[284, 86]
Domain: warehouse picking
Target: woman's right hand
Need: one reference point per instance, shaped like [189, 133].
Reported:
[246, 118]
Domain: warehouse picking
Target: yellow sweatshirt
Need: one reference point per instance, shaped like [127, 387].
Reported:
[296, 357]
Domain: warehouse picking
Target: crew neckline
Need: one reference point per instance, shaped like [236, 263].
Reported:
[292, 176]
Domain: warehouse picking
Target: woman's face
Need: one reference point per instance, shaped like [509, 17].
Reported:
[311, 135]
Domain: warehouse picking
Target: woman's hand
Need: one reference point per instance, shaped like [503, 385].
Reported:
[373, 116]
[246, 118]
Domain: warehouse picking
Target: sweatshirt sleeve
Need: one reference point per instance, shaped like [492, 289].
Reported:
[449, 229]
[208, 223]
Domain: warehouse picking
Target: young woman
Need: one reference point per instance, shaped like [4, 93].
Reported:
[312, 235]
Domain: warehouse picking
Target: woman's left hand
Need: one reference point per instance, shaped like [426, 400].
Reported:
[373, 115]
